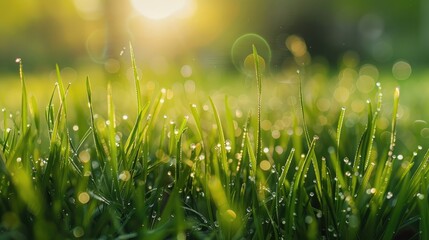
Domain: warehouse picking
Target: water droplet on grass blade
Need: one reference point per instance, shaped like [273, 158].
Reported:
[389, 195]
[125, 175]
[308, 219]
[78, 232]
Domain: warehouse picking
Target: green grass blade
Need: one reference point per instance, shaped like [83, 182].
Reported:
[394, 119]
[304, 123]
[49, 114]
[61, 89]
[229, 125]
[223, 156]
[136, 80]
[397, 212]
[339, 128]
[113, 158]
[423, 206]
[285, 170]
[295, 206]
[24, 100]
[35, 115]
[259, 85]
[307, 137]
[207, 163]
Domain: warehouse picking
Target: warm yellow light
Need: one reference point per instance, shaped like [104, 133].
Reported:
[83, 197]
[160, 9]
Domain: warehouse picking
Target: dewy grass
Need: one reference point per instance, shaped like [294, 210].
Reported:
[205, 176]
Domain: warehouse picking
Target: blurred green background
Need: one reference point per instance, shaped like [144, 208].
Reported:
[164, 33]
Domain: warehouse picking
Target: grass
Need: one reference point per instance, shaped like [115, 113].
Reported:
[211, 172]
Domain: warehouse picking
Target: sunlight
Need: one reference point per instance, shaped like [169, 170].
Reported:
[160, 9]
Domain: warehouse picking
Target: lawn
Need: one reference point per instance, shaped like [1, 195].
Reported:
[316, 153]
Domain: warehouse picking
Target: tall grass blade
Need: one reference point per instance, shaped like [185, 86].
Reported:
[229, 125]
[423, 206]
[307, 137]
[394, 119]
[282, 178]
[136, 80]
[339, 128]
[24, 100]
[259, 85]
[35, 115]
[113, 157]
[224, 158]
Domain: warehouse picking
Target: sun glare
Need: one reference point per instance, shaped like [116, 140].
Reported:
[160, 9]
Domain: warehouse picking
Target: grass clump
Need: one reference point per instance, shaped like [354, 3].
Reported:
[203, 176]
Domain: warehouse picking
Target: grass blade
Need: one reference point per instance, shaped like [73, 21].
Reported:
[259, 85]
[136, 80]
[224, 158]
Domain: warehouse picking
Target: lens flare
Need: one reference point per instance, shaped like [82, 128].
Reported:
[242, 57]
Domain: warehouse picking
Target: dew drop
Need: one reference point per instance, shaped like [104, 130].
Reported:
[78, 232]
[266, 150]
[308, 219]
[125, 175]
[389, 195]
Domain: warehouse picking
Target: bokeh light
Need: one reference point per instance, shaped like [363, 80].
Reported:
[365, 84]
[89, 9]
[160, 9]
[83, 197]
[298, 48]
[401, 70]
[84, 156]
[265, 165]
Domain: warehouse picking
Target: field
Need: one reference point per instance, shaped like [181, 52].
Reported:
[308, 154]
